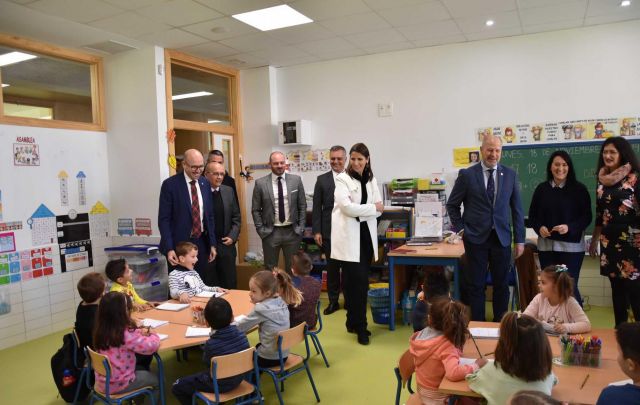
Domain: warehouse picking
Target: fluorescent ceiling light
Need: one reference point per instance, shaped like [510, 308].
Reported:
[190, 95]
[625, 3]
[5, 85]
[14, 57]
[273, 18]
[489, 23]
[213, 121]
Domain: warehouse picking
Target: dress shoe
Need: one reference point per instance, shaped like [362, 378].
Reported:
[351, 330]
[331, 308]
[363, 337]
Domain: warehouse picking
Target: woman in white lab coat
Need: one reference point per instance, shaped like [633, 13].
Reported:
[354, 237]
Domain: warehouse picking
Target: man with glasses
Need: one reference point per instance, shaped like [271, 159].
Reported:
[217, 156]
[226, 214]
[185, 213]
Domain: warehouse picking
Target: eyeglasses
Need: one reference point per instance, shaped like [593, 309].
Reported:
[195, 168]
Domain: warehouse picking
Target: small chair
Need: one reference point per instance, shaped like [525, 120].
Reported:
[76, 363]
[228, 366]
[295, 363]
[313, 333]
[404, 370]
[101, 365]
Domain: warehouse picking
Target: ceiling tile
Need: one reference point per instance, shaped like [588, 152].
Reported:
[398, 46]
[179, 12]
[210, 50]
[612, 7]
[502, 21]
[252, 42]
[375, 38]
[421, 43]
[130, 24]
[437, 29]
[384, 4]
[82, 11]
[277, 62]
[523, 4]
[608, 19]
[229, 27]
[302, 33]
[561, 12]
[243, 60]
[340, 54]
[133, 4]
[230, 7]
[467, 8]
[174, 38]
[507, 32]
[416, 14]
[327, 45]
[283, 52]
[555, 26]
[22, 1]
[354, 24]
[326, 9]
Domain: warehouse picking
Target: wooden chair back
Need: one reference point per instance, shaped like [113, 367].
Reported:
[406, 367]
[292, 336]
[232, 364]
[97, 362]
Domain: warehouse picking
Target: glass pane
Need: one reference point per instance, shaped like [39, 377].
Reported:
[199, 96]
[32, 87]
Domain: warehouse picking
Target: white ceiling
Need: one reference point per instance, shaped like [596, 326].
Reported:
[341, 28]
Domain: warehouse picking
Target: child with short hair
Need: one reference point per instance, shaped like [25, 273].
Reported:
[91, 288]
[533, 398]
[225, 338]
[437, 348]
[270, 312]
[435, 285]
[309, 287]
[522, 361]
[628, 338]
[555, 307]
[184, 281]
[119, 272]
[118, 337]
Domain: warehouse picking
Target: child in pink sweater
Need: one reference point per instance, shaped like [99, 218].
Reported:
[436, 349]
[118, 337]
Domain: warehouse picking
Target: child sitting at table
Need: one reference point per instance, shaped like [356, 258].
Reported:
[270, 312]
[184, 281]
[628, 338]
[225, 338]
[555, 306]
[436, 349]
[309, 287]
[435, 285]
[522, 361]
[90, 288]
[533, 398]
[119, 272]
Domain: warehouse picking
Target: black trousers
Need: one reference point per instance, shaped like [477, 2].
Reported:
[356, 283]
[333, 273]
[222, 271]
[625, 292]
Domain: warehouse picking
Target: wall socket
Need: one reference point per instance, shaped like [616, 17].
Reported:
[385, 109]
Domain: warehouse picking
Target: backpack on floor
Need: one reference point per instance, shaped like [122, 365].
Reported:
[65, 374]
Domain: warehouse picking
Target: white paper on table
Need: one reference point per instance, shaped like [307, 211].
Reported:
[168, 306]
[162, 336]
[209, 294]
[197, 332]
[153, 323]
[623, 382]
[428, 227]
[492, 333]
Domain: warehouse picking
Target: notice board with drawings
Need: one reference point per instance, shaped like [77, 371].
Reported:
[530, 162]
[74, 240]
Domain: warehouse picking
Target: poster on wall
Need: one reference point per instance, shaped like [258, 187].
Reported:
[99, 224]
[308, 160]
[10, 226]
[26, 265]
[464, 157]
[7, 242]
[64, 187]
[43, 226]
[76, 255]
[0, 205]
[26, 152]
[82, 189]
[73, 238]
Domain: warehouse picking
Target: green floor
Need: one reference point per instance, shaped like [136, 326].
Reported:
[358, 374]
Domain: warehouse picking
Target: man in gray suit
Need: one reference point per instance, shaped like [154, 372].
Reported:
[222, 271]
[279, 208]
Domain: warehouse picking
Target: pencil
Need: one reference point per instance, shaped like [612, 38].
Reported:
[585, 381]
[475, 344]
[489, 354]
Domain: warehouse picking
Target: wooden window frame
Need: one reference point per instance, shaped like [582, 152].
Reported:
[96, 70]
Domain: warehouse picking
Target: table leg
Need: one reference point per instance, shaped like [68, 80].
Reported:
[456, 281]
[392, 294]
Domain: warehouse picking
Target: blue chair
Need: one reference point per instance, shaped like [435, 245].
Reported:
[76, 363]
[228, 366]
[101, 365]
[295, 363]
[313, 334]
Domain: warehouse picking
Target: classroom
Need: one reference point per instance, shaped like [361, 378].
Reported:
[414, 80]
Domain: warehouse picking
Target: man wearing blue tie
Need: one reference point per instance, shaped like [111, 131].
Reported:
[491, 199]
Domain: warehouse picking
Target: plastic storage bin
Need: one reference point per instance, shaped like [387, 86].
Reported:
[150, 271]
[379, 303]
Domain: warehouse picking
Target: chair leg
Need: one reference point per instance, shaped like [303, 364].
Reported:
[313, 340]
[313, 385]
[275, 383]
[317, 344]
[80, 381]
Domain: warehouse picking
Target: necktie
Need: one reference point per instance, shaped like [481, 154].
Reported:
[196, 225]
[491, 186]
[281, 216]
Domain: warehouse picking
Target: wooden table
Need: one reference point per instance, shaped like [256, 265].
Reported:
[439, 254]
[570, 378]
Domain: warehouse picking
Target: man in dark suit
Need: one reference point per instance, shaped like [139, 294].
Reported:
[185, 213]
[321, 222]
[217, 156]
[491, 199]
[279, 209]
[226, 212]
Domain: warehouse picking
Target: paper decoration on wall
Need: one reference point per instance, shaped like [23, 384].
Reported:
[26, 153]
[0, 205]
[76, 255]
[564, 131]
[64, 187]
[7, 242]
[171, 139]
[10, 226]
[43, 226]
[308, 160]
[125, 226]
[26, 265]
[99, 225]
[73, 237]
[82, 191]
[72, 227]
[463, 157]
[143, 226]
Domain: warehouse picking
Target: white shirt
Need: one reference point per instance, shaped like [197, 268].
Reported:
[188, 180]
[274, 184]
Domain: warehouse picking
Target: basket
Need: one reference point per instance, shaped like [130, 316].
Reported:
[379, 303]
